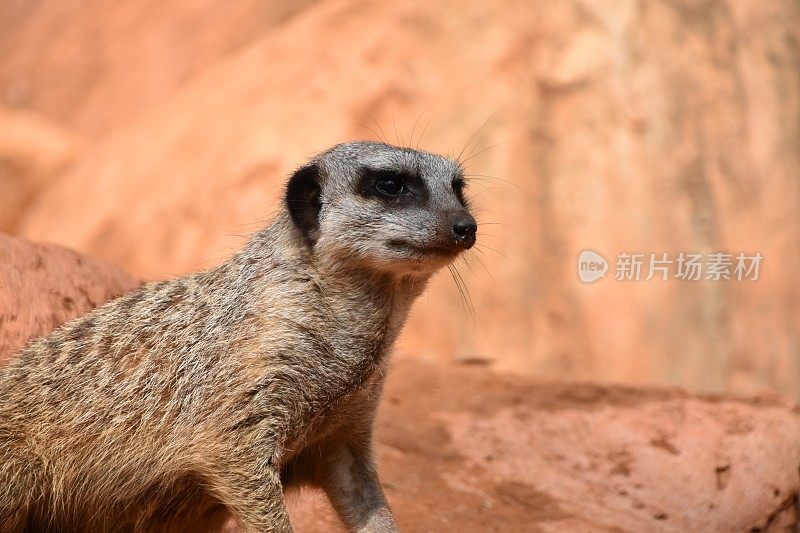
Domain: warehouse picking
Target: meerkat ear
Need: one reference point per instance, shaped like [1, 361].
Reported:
[303, 200]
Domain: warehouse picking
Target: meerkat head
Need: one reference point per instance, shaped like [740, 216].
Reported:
[396, 210]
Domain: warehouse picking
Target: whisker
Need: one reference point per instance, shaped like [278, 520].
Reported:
[483, 265]
[474, 311]
[485, 150]
[472, 197]
[424, 130]
[492, 249]
[471, 138]
[483, 210]
[394, 122]
[485, 177]
[458, 287]
[464, 259]
[477, 144]
[470, 304]
[370, 129]
[384, 139]
[414, 127]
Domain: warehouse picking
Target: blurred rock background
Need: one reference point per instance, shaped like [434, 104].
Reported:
[157, 134]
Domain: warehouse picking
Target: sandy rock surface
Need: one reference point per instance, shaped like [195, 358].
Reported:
[42, 286]
[463, 449]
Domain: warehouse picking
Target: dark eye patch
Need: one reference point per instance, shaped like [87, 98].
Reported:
[458, 188]
[392, 186]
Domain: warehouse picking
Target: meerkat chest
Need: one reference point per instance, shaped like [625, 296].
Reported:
[353, 412]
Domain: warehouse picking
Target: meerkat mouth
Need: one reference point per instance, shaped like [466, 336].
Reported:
[423, 250]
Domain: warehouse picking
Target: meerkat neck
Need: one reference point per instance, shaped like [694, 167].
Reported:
[380, 298]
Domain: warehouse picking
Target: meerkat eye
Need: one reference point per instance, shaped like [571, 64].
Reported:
[390, 185]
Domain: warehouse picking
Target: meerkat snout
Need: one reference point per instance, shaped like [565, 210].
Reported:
[464, 229]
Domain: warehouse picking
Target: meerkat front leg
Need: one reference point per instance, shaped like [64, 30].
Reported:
[350, 480]
[256, 501]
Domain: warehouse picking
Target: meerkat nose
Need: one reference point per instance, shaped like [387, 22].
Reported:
[464, 228]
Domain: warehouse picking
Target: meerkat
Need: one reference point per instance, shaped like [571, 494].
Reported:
[191, 400]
